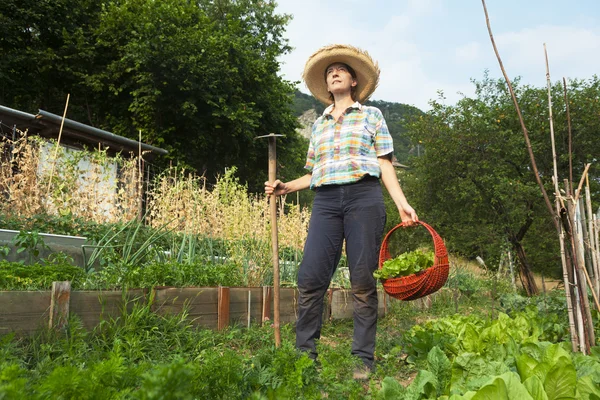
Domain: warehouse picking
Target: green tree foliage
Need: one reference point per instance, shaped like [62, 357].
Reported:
[47, 50]
[474, 181]
[197, 78]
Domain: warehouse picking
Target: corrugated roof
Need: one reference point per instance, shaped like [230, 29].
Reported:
[48, 125]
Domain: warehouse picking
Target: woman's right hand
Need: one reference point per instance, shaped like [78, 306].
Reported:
[277, 188]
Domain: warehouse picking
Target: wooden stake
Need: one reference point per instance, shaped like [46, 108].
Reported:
[62, 122]
[570, 135]
[579, 273]
[274, 242]
[525, 133]
[591, 238]
[274, 235]
[577, 337]
[580, 327]
[568, 290]
[266, 304]
[557, 201]
[59, 304]
[223, 308]
[585, 172]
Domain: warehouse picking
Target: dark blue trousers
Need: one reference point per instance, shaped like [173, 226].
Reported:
[355, 213]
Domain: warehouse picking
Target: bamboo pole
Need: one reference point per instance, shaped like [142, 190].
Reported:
[523, 127]
[581, 227]
[62, 122]
[597, 242]
[585, 238]
[567, 283]
[557, 198]
[585, 172]
[580, 327]
[570, 279]
[570, 134]
[581, 283]
[591, 237]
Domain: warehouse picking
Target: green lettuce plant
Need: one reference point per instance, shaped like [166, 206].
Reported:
[405, 264]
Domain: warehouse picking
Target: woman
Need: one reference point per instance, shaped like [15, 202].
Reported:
[350, 150]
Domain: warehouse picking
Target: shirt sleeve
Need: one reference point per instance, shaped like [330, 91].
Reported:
[310, 155]
[383, 140]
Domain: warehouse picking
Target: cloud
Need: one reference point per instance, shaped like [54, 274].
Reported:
[423, 46]
[467, 53]
[423, 7]
[571, 51]
[389, 42]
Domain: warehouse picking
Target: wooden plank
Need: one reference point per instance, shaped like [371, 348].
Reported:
[288, 298]
[59, 304]
[238, 305]
[201, 304]
[266, 303]
[24, 312]
[95, 306]
[223, 308]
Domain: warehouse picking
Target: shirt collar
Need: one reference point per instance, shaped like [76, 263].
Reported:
[330, 108]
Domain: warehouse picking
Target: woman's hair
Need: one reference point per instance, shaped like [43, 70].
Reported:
[352, 73]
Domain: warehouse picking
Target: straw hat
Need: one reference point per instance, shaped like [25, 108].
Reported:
[367, 71]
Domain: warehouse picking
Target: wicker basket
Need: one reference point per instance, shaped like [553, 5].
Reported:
[422, 283]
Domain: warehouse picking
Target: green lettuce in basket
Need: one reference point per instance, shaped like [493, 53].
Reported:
[405, 264]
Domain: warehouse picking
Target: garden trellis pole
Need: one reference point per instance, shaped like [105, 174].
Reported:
[592, 234]
[62, 122]
[570, 134]
[557, 201]
[522, 122]
[274, 234]
[587, 339]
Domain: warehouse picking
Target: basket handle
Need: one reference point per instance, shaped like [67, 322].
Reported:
[440, 251]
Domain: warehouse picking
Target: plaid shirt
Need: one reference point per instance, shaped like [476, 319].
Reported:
[344, 151]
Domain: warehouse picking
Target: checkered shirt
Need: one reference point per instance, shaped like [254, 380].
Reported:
[345, 151]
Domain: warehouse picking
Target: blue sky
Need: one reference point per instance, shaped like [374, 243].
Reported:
[424, 46]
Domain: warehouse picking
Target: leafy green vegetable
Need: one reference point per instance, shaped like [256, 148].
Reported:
[405, 264]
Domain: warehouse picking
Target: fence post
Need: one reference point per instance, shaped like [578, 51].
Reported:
[266, 303]
[223, 308]
[59, 304]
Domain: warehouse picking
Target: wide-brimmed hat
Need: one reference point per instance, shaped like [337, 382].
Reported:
[367, 71]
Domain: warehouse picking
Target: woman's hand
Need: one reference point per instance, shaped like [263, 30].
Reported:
[408, 215]
[277, 188]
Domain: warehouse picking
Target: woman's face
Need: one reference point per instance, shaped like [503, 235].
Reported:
[339, 79]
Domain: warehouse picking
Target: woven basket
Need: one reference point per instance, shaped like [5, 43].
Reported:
[424, 282]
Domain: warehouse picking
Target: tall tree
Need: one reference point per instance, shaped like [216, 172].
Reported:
[198, 78]
[47, 49]
[474, 180]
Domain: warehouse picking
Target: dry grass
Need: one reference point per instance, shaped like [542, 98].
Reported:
[36, 177]
[182, 202]
[93, 186]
